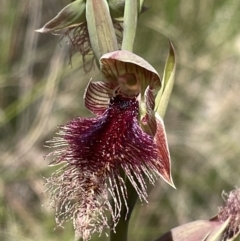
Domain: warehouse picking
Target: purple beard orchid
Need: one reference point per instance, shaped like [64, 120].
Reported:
[126, 135]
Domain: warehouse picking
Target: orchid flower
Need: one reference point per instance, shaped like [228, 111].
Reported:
[223, 227]
[126, 135]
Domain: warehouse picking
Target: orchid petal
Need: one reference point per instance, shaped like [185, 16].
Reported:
[201, 230]
[117, 63]
[148, 120]
[149, 99]
[72, 15]
[163, 151]
[217, 233]
[163, 95]
[97, 95]
[153, 125]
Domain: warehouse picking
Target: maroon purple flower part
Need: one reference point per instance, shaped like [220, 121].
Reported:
[231, 211]
[125, 135]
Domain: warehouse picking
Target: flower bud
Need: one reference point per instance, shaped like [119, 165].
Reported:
[100, 27]
[72, 15]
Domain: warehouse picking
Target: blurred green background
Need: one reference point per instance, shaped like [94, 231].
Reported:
[40, 89]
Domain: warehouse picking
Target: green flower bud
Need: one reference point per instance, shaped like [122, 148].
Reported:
[70, 16]
[100, 27]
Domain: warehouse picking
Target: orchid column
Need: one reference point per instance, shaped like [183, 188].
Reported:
[106, 160]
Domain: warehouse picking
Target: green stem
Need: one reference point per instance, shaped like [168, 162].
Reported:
[121, 231]
[131, 11]
[130, 23]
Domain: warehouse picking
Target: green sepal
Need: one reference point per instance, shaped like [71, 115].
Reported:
[164, 94]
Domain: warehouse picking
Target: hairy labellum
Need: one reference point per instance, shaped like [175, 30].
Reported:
[94, 151]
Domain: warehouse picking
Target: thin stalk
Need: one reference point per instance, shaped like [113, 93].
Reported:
[130, 23]
[121, 231]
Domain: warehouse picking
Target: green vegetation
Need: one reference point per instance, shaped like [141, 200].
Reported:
[40, 88]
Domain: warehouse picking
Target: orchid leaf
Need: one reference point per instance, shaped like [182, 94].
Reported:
[73, 14]
[164, 94]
